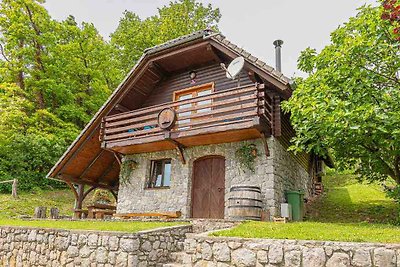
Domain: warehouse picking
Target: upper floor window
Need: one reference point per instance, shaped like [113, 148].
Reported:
[160, 174]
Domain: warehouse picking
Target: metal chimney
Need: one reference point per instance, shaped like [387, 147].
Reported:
[278, 61]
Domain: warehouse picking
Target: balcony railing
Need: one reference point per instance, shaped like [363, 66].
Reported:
[221, 111]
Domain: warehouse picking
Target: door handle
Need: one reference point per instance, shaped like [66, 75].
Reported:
[220, 189]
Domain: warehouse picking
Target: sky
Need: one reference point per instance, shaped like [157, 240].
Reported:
[251, 24]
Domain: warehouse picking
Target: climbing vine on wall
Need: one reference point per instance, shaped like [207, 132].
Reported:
[127, 167]
[246, 156]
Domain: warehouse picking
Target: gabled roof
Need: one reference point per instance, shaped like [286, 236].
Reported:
[218, 37]
[277, 80]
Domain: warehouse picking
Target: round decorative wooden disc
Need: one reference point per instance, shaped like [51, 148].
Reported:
[166, 118]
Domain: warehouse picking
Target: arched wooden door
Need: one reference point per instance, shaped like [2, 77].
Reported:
[208, 190]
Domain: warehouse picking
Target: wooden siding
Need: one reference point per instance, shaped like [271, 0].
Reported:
[163, 92]
[287, 134]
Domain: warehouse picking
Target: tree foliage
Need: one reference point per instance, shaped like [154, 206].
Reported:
[391, 13]
[54, 75]
[349, 102]
[182, 17]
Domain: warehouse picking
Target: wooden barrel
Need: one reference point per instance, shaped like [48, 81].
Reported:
[244, 202]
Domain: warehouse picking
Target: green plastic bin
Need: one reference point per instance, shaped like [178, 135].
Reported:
[296, 200]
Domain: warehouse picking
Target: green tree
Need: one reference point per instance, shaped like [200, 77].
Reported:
[53, 77]
[63, 67]
[85, 70]
[30, 140]
[350, 101]
[182, 17]
[27, 32]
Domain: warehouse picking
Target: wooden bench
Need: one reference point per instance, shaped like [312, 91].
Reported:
[99, 213]
[164, 215]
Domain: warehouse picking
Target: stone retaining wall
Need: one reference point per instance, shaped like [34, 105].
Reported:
[202, 250]
[54, 247]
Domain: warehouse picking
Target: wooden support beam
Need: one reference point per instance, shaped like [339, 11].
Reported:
[178, 146]
[180, 51]
[79, 200]
[106, 172]
[74, 154]
[121, 108]
[265, 142]
[215, 56]
[68, 178]
[254, 77]
[116, 155]
[155, 67]
[276, 115]
[88, 191]
[91, 163]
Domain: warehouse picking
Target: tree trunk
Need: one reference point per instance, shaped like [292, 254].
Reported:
[20, 74]
[39, 66]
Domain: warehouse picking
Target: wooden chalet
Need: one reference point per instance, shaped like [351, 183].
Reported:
[174, 106]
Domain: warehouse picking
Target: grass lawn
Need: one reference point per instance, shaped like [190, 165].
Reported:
[352, 232]
[348, 211]
[27, 201]
[126, 226]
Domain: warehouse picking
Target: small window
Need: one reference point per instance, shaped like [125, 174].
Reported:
[160, 174]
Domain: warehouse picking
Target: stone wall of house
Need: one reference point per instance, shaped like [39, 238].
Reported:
[288, 174]
[50, 247]
[273, 174]
[220, 251]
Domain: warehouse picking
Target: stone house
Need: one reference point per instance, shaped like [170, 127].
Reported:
[179, 133]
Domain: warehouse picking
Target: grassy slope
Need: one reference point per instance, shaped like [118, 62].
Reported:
[346, 200]
[11, 208]
[353, 232]
[348, 211]
[26, 202]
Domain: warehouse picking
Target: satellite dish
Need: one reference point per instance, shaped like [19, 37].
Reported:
[235, 67]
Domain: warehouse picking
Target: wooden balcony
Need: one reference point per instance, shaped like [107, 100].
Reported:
[225, 116]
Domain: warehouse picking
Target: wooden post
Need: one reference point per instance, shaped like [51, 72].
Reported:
[79, 197]
[78, 201]
[40, 213]
[14, 189]
[54, 213]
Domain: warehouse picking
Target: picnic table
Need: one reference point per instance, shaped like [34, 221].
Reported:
[98, 210]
